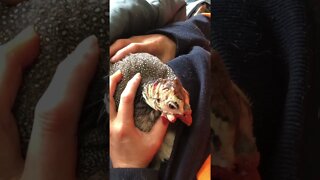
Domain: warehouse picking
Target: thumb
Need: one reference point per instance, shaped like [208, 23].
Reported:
[159, 129]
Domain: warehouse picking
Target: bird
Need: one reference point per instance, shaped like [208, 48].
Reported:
[234, 151]
[160, 93]
[61, 26]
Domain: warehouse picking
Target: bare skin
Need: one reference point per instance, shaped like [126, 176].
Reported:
[156, 44]
[53, 143]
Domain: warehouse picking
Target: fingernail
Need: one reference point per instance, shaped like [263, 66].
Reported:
[92, 41]
[138, 76]
[87, 48]
[118, 72]
[92, 38]
[28, 32]
[114, 58]
[24, 47]
[24, 36]
[88, 44]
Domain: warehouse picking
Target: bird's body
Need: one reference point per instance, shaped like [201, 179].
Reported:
[234, 149]
[160, 93]
[151, 69]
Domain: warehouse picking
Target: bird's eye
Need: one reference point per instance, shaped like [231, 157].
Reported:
[173, 105]
[158, 100]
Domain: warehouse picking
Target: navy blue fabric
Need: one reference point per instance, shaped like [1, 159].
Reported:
[311, 143]
[240, 35]
[192, 144]
[264, 46]
[193, 32]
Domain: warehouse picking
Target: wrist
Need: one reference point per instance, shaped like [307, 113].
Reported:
[170, 48]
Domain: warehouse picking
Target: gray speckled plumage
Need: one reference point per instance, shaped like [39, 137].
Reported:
[62, 24]
[151, 69]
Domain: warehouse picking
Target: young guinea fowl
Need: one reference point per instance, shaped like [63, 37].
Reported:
[62, 25]
[160, 94]
[235, 154]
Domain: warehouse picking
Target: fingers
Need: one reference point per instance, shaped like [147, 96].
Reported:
[66, 92]
[15, 56]
[156, 44]
[11, 161]
[52, 148]
[131, 48]
[159, 130]
[114, 80]
[126, 105]
[119, 44]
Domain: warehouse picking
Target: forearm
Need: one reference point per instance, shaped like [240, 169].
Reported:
[192, 32]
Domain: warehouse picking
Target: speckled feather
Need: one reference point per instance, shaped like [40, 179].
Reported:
[62, 24]
[151, 68]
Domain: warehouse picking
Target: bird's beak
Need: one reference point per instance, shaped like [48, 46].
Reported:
[185, 118]
[170, 117]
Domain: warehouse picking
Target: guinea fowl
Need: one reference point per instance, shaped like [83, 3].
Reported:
[160, 94]
[235, 154]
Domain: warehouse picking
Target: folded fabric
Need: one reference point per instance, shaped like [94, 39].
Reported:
[135, 17]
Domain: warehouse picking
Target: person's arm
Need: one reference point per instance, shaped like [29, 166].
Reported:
[168, 42]
[192, 32]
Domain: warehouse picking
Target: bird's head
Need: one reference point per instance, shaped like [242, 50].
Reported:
[169, 97]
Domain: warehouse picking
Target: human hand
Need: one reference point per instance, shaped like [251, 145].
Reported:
[130, 147]
[52, 148]
[156, 44]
